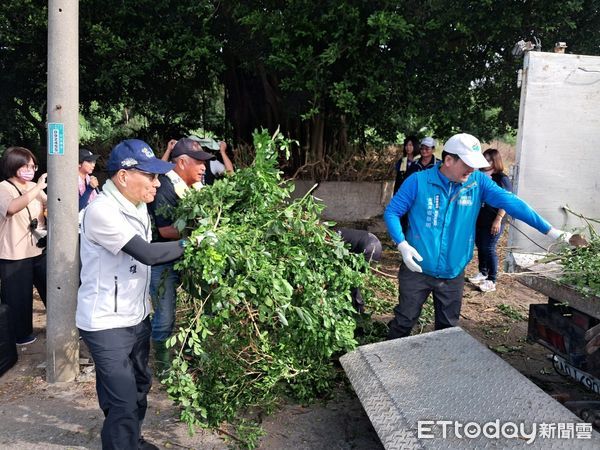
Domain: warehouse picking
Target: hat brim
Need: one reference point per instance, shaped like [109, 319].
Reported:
[155, 166]
[475, 160]
[198, 155]
[201, 155]
[90, 158]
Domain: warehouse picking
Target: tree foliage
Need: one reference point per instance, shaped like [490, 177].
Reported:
[329, 74]
[347, 66]
[267, 295]
[23, 43]
[154, 57]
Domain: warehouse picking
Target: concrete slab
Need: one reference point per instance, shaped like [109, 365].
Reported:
[414, 389]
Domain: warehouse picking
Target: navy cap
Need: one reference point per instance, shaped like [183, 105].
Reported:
[186, 146]
[136, 154]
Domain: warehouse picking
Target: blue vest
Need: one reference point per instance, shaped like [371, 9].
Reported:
[442, 223]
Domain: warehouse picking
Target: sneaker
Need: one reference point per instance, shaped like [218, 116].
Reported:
[143, 444]
[27, 340]
[487, 286]
[478, 279]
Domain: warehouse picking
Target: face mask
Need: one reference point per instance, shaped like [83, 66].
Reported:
[26, 174]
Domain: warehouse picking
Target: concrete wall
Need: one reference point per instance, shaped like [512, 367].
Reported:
[347, 201]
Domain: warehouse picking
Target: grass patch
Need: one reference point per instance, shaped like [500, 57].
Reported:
[510, 312]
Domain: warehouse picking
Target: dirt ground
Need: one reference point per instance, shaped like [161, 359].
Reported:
[36, 415]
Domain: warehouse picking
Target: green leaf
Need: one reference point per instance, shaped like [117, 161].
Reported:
[282, 318]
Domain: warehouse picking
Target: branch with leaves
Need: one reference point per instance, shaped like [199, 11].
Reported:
[267, 295]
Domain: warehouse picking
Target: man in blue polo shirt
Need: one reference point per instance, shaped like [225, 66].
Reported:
[442, 205]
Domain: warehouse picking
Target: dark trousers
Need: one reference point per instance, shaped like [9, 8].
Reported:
[414, 289]
[123, 380]
[17, 278]
[486, 243]
[361, 241]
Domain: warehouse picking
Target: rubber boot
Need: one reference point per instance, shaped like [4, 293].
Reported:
[162, 360]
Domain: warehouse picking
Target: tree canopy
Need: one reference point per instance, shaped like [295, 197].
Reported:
[329, 73]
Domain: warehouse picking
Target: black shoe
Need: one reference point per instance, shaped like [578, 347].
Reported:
[143, 444]
[394, 332]
[26, 340]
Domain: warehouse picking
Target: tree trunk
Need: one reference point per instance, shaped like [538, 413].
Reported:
[317, 141]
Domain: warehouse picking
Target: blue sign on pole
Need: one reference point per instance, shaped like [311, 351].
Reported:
[56, 138]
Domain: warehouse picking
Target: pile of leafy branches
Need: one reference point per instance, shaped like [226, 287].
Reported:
[267, 288]
[581, 266]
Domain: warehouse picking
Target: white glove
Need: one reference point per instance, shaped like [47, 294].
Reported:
[409, 254]
[559, 235]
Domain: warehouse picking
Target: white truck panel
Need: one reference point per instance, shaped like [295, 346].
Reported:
[558, 143]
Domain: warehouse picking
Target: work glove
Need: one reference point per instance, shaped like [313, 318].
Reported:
[409, 254]
[559, 235]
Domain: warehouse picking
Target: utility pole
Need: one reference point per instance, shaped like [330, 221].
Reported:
[62, 344]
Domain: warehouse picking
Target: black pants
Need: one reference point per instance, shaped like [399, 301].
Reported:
[18, 277]
[414, 289]
[361, 241]
[123, 380]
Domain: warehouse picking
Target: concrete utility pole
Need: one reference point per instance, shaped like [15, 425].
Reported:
[62, 346]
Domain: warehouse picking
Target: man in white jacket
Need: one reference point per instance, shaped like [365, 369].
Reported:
[113, 299]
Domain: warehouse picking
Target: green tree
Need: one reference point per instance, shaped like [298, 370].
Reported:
[330, 74]
[328, 71]
[156, 58]
[153, 57]
[23, 43]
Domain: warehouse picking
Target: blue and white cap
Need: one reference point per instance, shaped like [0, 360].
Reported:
[468, 148]
[136, 154]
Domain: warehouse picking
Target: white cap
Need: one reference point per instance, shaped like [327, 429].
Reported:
[468, 148]
[428, 141]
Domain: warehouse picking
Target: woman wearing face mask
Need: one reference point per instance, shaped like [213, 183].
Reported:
[490, 224]
[22, 225]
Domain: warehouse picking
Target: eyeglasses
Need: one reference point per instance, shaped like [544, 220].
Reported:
[150, 176]
[31, 167]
